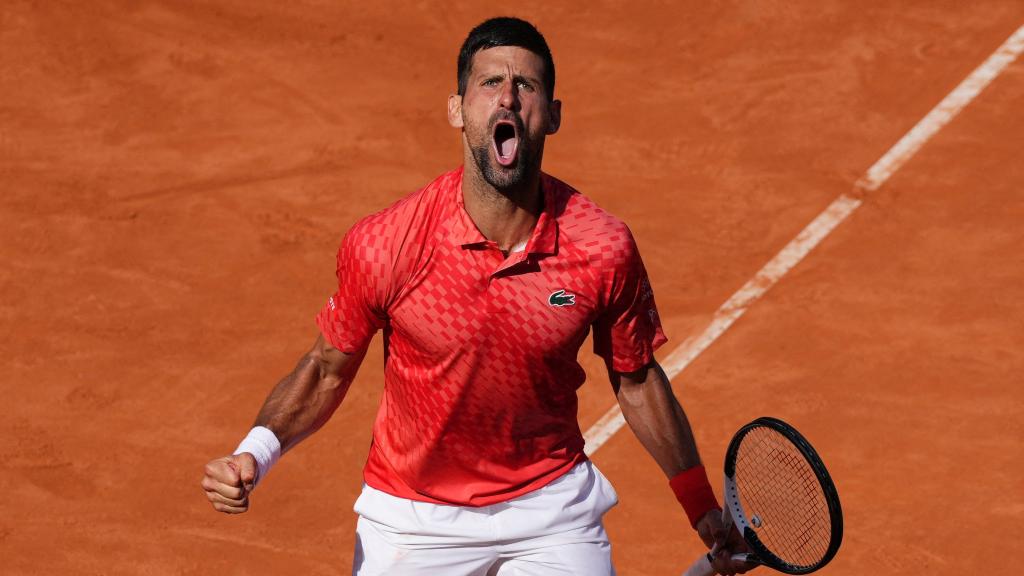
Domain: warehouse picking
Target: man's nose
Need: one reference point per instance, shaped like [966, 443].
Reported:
[509, 95]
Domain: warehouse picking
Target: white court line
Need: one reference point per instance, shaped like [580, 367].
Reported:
[823, 225]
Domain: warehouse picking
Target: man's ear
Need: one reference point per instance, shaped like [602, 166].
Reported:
[554, 116]
[455, 111]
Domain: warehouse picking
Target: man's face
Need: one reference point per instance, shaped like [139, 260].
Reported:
[505, 114]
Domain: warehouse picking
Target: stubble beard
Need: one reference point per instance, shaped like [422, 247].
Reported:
[511, 179]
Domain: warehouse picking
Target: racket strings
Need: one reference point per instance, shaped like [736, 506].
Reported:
[782, 496]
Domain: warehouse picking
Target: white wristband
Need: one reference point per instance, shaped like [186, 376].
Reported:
[265, 448]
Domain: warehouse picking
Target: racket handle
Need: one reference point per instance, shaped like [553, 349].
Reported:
[702, 567]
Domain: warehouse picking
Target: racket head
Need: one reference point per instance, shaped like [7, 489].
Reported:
[781, 497]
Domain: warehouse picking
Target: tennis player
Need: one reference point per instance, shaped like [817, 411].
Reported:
[486, 282]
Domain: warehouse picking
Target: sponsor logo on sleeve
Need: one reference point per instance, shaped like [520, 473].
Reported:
[645, 291]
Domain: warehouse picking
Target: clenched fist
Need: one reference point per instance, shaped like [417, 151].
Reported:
[228, 482]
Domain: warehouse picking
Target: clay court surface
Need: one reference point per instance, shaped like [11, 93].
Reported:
[175, 178]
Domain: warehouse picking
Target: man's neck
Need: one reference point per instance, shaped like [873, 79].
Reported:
[506, 217]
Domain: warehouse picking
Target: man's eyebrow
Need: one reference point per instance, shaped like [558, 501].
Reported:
[502, 75]
[529, 79]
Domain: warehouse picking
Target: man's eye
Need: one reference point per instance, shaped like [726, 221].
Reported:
[525, 85]
[491, 82]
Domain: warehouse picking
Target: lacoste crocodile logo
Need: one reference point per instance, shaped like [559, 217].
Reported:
[560, 298]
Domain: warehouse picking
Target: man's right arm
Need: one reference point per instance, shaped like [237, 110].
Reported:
[299, 405]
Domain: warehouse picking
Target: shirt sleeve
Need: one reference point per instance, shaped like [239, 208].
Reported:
[356, 311]
[629, 330]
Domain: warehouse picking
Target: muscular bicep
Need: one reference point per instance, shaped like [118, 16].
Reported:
[333, 363]
[656, 417]
[646, 397]
[305, 399]
[630, 381]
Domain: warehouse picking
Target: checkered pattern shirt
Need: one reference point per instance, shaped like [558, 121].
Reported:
[479, 403]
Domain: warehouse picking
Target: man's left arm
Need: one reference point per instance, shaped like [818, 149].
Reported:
[659, 422]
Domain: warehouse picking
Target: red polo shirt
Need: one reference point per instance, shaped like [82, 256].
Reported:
[479, 402]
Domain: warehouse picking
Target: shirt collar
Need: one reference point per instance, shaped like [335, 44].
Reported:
[544, 238]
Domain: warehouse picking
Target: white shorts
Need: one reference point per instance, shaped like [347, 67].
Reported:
[555, 529]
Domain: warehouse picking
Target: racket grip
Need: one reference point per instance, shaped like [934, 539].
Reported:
[702, 567]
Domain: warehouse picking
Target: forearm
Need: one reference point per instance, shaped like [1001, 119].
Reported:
[307, 397]
[656, 417]
[659, 422]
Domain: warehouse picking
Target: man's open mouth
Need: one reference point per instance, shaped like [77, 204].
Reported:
[506, 142]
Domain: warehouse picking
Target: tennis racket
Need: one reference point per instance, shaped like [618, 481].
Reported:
[781, 499]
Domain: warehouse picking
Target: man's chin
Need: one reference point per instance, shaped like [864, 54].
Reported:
[504, 178]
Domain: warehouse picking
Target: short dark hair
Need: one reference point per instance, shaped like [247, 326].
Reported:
[505, 31]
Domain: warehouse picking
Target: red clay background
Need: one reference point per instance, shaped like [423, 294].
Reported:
[175, 177]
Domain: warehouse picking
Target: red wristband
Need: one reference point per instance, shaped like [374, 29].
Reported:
[694, 492]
